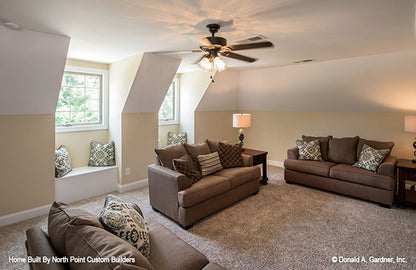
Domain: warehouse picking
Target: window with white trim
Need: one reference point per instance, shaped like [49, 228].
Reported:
[169, 110]
[82, 102]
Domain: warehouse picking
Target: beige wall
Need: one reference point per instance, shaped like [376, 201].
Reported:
[163, 133]
[276, 131]
[26, 162]
[215, 125]
[78, 144]
[139, 139]
[86, 64]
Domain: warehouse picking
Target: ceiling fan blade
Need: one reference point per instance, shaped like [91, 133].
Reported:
[238, 57]
[177, 52]
[205, 42]
[266, 44]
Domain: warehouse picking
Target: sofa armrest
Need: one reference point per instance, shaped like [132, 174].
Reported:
[388, 167]
[38, 244]
[164, 185]
[247, 160]
[293, 153]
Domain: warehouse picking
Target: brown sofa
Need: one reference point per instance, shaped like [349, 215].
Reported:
[171, 194]
[337, 174]
[81, 235]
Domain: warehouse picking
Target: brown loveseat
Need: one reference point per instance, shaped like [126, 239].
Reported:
[336, 173]
[171, 194]
[78, 234]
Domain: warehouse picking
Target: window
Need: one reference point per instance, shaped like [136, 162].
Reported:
[169, 111]
[82, 102]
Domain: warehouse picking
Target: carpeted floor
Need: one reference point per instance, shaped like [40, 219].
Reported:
[282, 227]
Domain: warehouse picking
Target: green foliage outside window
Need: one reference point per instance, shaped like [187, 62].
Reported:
[79, 100]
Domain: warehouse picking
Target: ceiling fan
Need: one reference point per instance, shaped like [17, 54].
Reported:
[214, 46]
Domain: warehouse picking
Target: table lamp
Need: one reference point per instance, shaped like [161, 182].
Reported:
[241, 120]
[410, 126]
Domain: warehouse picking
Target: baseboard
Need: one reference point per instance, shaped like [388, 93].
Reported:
[275, 163]
[132, 186]
[27, 214]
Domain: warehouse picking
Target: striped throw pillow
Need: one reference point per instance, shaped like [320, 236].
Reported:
[209, 163]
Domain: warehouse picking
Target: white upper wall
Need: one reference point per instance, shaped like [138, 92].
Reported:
[152, 81]
[222, 94]
[31, 69]
[383, 82]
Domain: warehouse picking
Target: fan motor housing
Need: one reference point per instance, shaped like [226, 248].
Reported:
[218, 41]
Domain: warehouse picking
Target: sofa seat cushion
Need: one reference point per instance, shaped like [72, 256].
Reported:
[309, 166]
[240, 175]
[360, 176]
[209, 186]
[171, 253]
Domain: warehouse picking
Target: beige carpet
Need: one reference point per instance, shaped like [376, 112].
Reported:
[282, 227]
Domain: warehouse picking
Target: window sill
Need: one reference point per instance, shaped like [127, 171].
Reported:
[166, 123]
[80, 128]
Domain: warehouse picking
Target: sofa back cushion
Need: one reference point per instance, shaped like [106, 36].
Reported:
[374, 144]
[61, 215]
[323, 142]
[194, 150]
[167, 154]
[343, 150]
[88, 241]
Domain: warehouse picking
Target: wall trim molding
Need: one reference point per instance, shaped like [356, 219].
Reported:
[23, 215]
[275, 163]
[132, 186]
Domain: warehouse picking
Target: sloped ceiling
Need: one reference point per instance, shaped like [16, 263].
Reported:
[152, 81]
[31, 68]
[110, 30]
[383, 82]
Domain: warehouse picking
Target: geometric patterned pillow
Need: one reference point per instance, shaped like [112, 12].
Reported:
[62, 162]
[187, 166]
[309, 150]
[102, 155]
[123, 220]
[230, 155]
[371, 158]
[176, 138]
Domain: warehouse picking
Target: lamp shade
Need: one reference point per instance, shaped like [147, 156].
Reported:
[410, 123]
[241, 120]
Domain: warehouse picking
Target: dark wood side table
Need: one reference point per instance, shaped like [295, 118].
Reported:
[259, 157]
[406, 171]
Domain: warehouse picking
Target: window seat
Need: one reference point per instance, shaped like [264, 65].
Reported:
[85, 182]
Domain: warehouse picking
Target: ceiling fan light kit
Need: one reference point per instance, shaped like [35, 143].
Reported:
[212, 63]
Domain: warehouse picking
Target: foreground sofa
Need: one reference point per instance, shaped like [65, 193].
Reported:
[171, 194]
[84, 237]
[336, 173]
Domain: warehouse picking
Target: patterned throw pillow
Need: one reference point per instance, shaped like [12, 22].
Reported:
[177, 138]
[209, 163]
[309, 150]
[371, 158]
[230, 155]
[62, 162]
[123, 220]
[102, 155]
[187, 166]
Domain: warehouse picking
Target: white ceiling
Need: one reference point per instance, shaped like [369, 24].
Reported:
[110, 30]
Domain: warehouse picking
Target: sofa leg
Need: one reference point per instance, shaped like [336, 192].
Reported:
[255, 193]
[187, 227]
[384, 205]
[154, 209]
